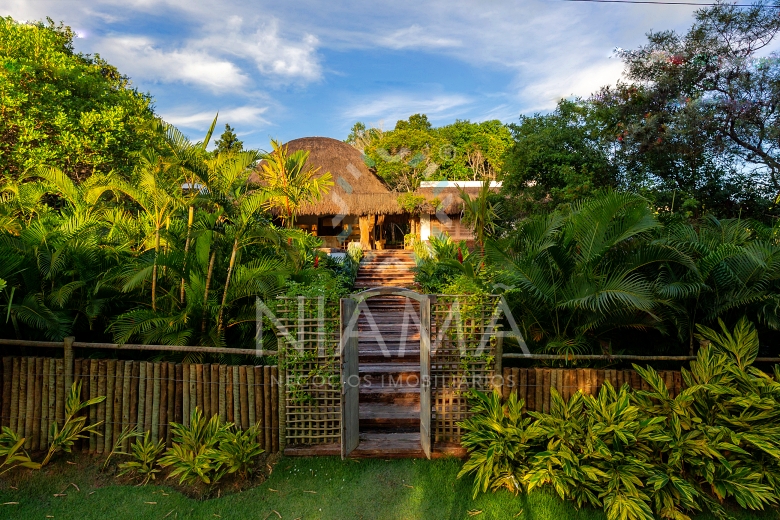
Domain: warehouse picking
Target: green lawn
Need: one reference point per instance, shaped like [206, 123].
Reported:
[306, 488]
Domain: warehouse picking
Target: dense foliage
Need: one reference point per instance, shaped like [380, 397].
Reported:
[414, 151]
[641, 454]
[63, 109]
[177, 254]
[694, 128]
[604, 273]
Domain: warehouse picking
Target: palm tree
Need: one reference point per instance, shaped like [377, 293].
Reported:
[480, 213]
[290, 182]
[579, 274]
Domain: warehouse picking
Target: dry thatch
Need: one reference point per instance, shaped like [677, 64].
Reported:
[355, 191]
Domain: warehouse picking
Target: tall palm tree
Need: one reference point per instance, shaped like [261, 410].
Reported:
[480, 213]
[290, 182]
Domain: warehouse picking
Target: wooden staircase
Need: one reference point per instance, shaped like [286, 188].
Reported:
[389, 348]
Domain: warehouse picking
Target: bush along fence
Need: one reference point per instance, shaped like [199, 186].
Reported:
[533, 385]
[146, 395]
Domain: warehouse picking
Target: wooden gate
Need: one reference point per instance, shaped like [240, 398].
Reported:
[350, 378]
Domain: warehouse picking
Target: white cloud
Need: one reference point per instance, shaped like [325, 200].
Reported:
[394, 106]
[281, 60]
[417, 37]
[141, 58]
[582, 80]
[244, 115]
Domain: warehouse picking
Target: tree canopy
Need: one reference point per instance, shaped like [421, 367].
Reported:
[415, 151]
[64, 109]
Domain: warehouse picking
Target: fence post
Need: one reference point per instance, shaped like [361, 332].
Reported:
[498, 365]
[68, 362]
[282, 372]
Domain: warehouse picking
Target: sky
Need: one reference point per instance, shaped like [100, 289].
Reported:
[292, 69]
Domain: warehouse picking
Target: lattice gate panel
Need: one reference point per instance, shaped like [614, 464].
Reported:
[463, 355]
[310, 363]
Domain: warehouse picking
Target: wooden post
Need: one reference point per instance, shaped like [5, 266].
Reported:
[68, 360]
[214, 390]
[29, 397]
[16, 378]
[155, 422]
[127, 378]
[37, 391]
[222, 393]
[250, 390]
[275, 409]
[178, 407]
[498, 368]
[59, 395]
[135, 381]
[199, 389]
[163, 411]
[171, 402]
[52, 404]
[193, 389]
[282, 382]
[269, 433]
[185, 407]
[149, 397]
[236, 397]
[207, 391]
[116, 419]
[259, 405]
[141, 397]
[243, 397]
[44, 405]
[7, 375]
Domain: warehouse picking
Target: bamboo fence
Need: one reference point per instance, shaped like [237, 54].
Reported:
[142, 394]
[533, 385]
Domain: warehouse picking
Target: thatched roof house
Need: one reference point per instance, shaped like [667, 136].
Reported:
[356, 191]
[361, 207]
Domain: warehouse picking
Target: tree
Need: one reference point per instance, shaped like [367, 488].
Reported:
[414, 151]
[557, 158]
[480, 213]
[63, 109]
[702, 108]
[291, 182]
[228, 142]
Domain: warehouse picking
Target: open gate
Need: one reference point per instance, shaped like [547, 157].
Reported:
[459, 351]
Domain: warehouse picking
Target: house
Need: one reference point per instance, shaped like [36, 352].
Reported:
[360, 207]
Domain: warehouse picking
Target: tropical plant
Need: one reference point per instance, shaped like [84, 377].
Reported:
[582, 273]
[75, 426]
[145, 453]
[11, 448]
[238, 449]
[481, 213]
[497, 437]
[291, 182]
[194, 453]
[127, 433]
[643, 453]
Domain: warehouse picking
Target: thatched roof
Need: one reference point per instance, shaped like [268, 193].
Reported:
[356, 190]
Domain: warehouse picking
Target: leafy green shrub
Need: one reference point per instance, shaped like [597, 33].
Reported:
[497, 436]
[74, 427]
[438, 263]
[643, 453]
[206, 450]
[144, 453]
[11, 449]
[239, 448]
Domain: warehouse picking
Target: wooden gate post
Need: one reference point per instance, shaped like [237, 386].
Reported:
[68, 362]
[282, 373]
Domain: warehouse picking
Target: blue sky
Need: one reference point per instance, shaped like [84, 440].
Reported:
[301, 68]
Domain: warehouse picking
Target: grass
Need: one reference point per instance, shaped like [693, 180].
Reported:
[305, 488]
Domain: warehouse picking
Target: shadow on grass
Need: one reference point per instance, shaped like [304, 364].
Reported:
[306, 488]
